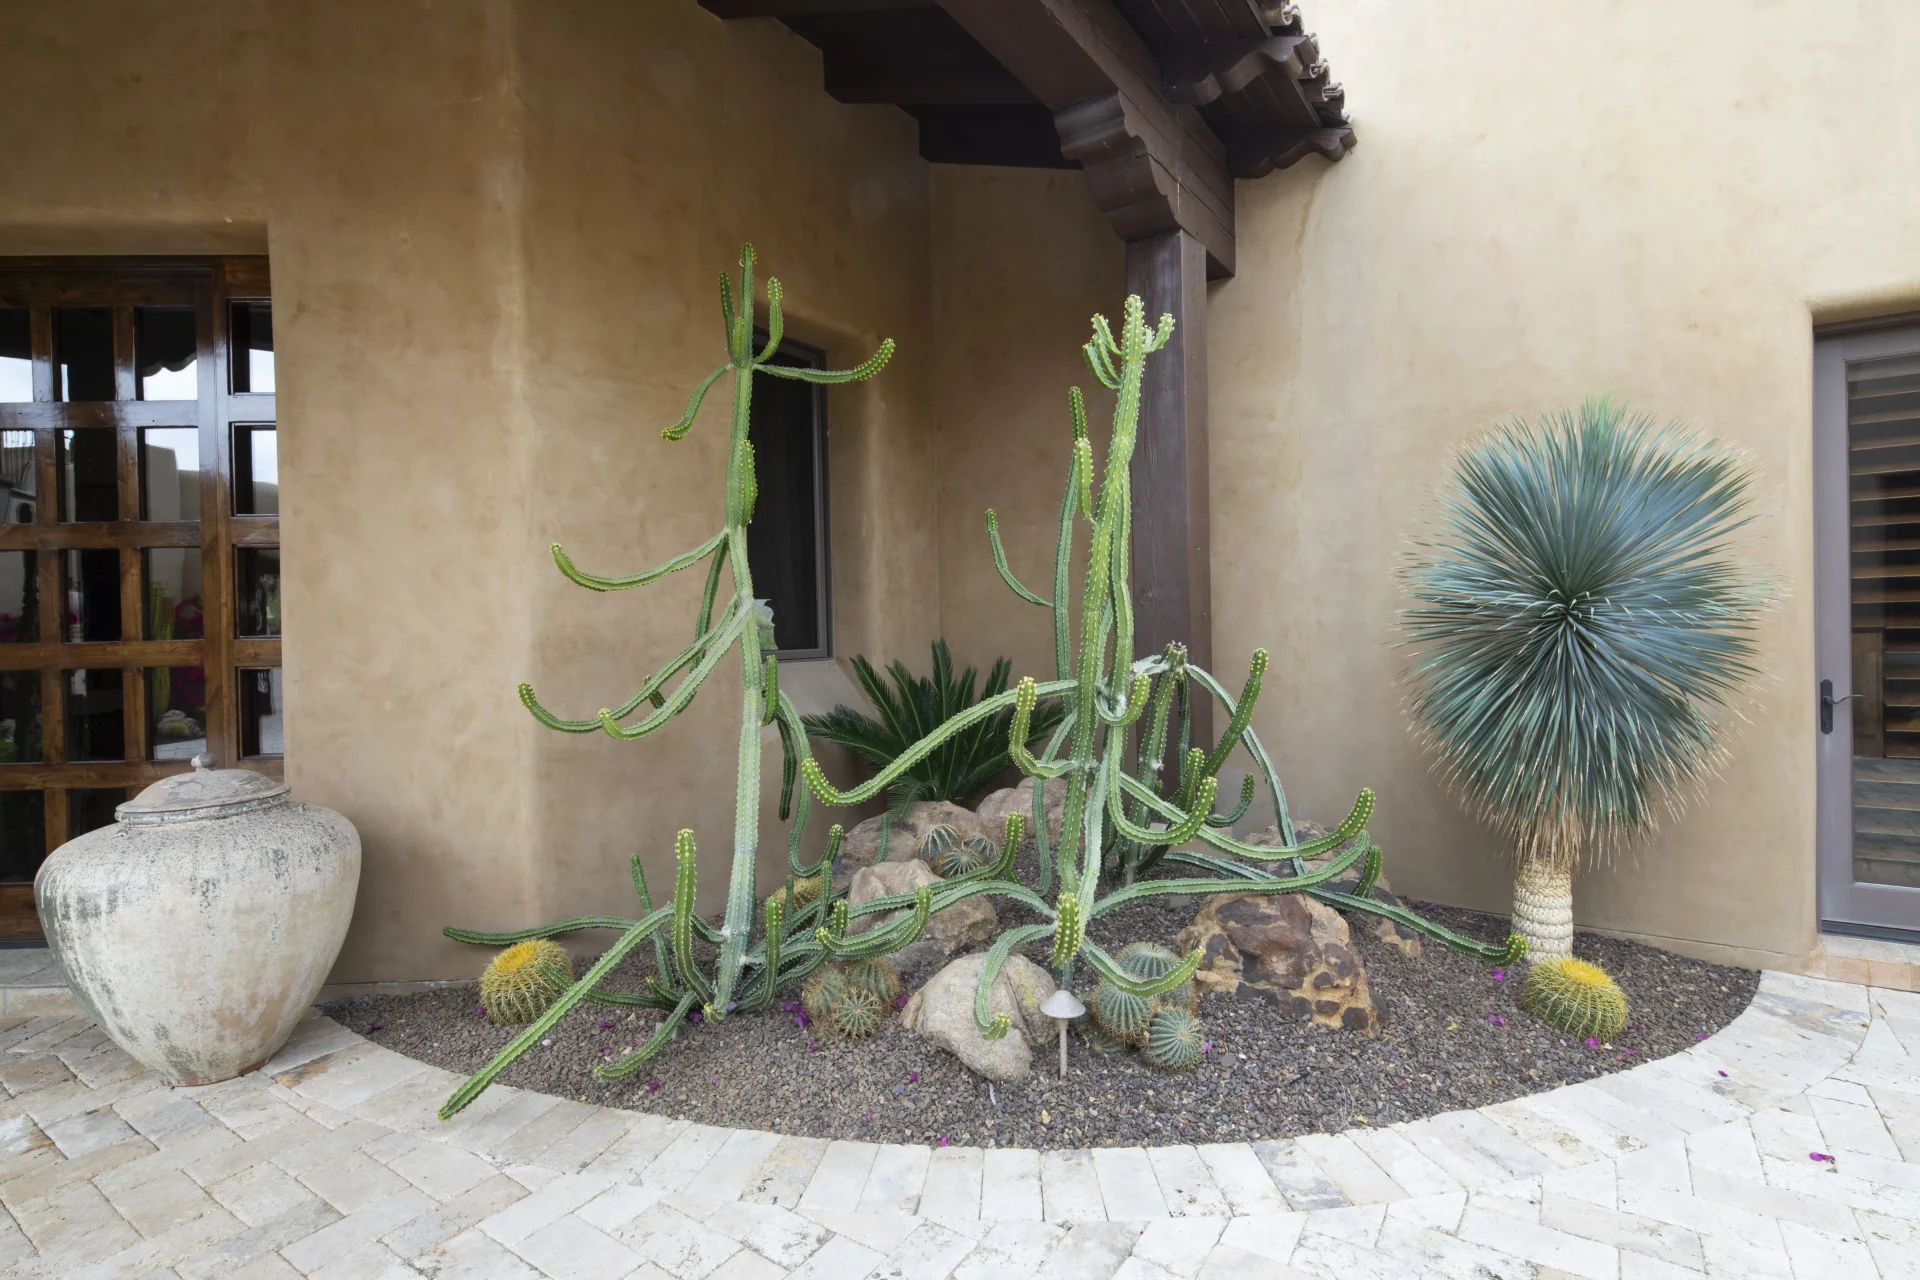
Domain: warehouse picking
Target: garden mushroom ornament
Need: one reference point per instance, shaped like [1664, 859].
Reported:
[1063, 1008]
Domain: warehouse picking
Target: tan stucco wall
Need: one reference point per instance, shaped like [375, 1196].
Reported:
[1553, 200]
[1022, 259]
[494, 232]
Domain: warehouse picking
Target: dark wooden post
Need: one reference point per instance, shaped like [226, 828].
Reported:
[1172, 551]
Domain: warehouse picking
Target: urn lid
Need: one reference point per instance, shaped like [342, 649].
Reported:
[205, 793]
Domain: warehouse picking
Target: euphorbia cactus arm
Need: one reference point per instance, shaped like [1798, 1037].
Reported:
[1132, 983]
[632, 1062]
[993, 1026]
[1261, 761]
[650, 691]
[1000, 563]
[594, 582]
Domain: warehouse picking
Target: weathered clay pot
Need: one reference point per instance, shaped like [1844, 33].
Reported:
[197, 929]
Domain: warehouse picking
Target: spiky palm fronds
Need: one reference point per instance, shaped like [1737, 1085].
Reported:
[910, 707]
[1580, 624]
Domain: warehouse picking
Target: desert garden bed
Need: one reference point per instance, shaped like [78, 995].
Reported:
[1453, 1037]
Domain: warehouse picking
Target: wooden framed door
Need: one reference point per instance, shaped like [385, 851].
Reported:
[139, 540]
[1867, 630]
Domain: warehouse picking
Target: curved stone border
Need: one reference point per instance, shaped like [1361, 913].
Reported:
[330, 1162]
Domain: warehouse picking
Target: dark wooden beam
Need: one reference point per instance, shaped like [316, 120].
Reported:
[1022, 137]
[1154, 166]
[921, 76]
[791, 8]
[1172, 546]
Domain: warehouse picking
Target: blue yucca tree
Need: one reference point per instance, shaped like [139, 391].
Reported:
[1580, 627]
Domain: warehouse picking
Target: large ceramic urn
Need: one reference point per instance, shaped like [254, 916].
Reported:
[198, 928]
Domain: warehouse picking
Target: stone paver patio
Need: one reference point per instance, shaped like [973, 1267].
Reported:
[329, 1163]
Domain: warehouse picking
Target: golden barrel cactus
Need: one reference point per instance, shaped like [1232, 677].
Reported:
[523, 981]
[1575, 997]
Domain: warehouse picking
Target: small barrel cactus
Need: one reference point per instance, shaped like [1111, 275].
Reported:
[939, 838]
[1120, 1015]
[969, 855]
[1173, 1041]
[1575, 997]
[856, 1015]
[825, 987]
[804, 892]
[1097, 1040]
[876, 975]
[1147, 960]
[523, 981]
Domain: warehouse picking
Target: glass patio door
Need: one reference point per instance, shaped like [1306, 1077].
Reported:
[1867, 602]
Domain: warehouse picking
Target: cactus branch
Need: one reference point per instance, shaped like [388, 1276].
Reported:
[1000, 563]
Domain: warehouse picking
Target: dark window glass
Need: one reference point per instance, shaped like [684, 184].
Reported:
[19, 477]
[19, 597]
[257, 599]
[256, 470]
[260, 733]
[177, 712]
[19, 718]
[174, 609]
[23, 834]
[165, 351]
[170, 473]
[96, 725]
[89, 475]
[786, 543]
[250, 325]
[92, 583]
[92, 809]
[16, 355]
[83, 349]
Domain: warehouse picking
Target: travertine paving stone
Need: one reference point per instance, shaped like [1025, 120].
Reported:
[329, 1163]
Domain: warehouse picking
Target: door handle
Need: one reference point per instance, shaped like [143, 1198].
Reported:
[1828, 702]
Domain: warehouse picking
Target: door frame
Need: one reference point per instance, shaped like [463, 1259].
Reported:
[1846, 905]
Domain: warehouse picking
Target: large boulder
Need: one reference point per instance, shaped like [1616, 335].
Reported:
[1397, 936]
[972, 922]
[942, 1014]
[1292, 950]
[860, 847]
[994, 809]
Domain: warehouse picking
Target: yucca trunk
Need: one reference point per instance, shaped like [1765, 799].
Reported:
[1543, 908]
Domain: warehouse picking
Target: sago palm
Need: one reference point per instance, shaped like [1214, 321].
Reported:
[913, 707]
[1580, 628]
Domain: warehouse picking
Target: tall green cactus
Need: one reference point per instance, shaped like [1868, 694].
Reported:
[1117, 825]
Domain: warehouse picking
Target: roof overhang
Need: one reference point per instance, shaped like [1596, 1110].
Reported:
[1163, 102]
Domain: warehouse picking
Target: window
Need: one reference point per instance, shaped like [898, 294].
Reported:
[787, 541]
[139, 540]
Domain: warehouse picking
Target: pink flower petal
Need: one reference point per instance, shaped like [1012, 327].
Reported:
[1499, 975]
[1495, 1020]
[1821, 1156]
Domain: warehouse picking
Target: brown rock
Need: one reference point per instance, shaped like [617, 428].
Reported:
[859, 847]
[1398, 936]
[994, 809]
[970, 923]
[1289, 948]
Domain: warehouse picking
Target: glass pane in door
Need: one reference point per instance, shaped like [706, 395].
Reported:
[1883, 465]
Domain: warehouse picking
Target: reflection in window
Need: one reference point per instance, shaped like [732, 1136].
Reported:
[177, 712]
[19, 597]
[92, 809]
[16, 355]
[96, 724]
[164, 350]
[251, 327]
[83, 350]
[92, 583]
[19, 477]
[174, 610]
[89, 475]
[23, 835]
[170, 473]
[256, 470]
[260, 719]
[258, 591]
[19, 717]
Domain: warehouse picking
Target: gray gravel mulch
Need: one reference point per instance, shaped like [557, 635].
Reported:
[1454, 1038]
